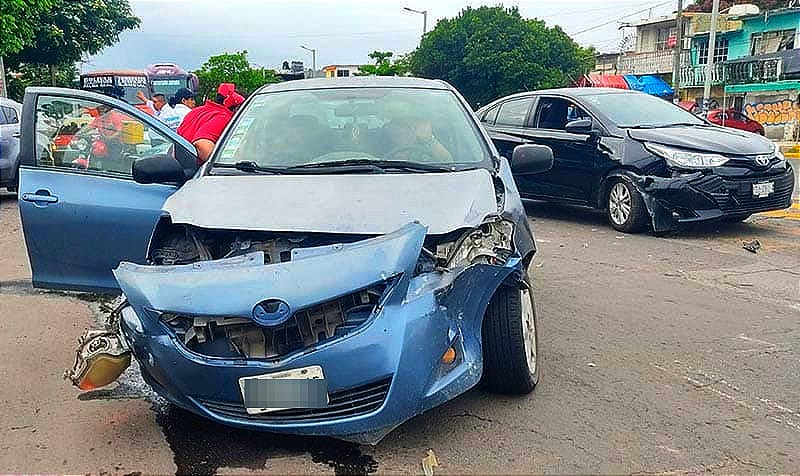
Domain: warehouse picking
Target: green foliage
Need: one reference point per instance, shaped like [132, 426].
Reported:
[232, 68]
[489, 52]
[26, 75]
[17, 22]
[71, 28]
[384, 66]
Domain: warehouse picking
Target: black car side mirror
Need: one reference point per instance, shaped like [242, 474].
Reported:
[531, 159]
[579, 126]
[158, 169]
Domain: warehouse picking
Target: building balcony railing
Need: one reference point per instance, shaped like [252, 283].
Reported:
[733, 72]
[652, 62]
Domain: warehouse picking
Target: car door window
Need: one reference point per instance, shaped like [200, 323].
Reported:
[2, 117]
[491, 115]
[513, 113]
[10, 115]
[556, 113]
[90, 137]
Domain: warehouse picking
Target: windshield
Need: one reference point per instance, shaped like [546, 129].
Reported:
[640, 110]
[127, 94]
[293, 128]
[168, 87]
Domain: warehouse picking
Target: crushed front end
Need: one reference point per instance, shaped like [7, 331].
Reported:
[392, 323]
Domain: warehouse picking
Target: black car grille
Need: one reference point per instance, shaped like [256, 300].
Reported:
[343, 404]
[736, 196]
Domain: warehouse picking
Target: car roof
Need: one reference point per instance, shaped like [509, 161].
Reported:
[355, 82]
[10, 102]
[568, 92]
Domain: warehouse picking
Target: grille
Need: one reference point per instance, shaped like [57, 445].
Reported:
[343, 404]
[736, 196]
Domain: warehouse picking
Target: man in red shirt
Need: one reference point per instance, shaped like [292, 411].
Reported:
[203, 125]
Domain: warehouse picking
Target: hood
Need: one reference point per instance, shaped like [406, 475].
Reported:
[707, 139]
[358, 204]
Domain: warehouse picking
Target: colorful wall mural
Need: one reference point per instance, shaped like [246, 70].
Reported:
[772, 110]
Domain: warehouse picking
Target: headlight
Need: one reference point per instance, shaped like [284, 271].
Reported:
[686, 159]
[778, 153]
[491, 243]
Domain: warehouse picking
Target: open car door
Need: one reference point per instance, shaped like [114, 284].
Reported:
[82, 212]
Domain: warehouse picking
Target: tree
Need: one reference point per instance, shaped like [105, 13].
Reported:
[17, 22]
[384, 66]
[27, 74]
[232, 68]
[69, 29]
[489, 52]
[705, 5]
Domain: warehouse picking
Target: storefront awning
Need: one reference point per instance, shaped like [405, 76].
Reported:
[649, 84]
[603, 81]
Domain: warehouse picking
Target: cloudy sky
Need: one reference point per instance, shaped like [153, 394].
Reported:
[343, 32]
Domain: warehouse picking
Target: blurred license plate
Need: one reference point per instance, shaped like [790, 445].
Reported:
[763, 189]
[297, 388]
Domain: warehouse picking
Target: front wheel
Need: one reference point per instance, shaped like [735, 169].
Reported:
[625, 208]
[511, 341]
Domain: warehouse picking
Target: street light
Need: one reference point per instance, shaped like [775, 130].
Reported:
[424, 14]
[313, 59]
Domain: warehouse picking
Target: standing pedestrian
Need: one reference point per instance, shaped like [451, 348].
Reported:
[182, 102]
[204, 125]
[163, 111]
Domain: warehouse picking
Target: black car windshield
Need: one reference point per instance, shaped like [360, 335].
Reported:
[640, 110]
[354, 126]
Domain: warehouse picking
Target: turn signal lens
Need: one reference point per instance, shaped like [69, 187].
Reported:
[449, 356]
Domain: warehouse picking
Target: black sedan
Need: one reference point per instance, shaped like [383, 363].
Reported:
[645, 161]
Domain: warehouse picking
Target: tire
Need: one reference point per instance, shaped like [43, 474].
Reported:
[506, 362]
[625, 208]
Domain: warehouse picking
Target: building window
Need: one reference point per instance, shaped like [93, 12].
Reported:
[342, 73]
[665, 38]
[720, 51]
[771, 41]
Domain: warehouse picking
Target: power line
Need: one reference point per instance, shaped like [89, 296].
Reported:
[614, 20]
[257, 36]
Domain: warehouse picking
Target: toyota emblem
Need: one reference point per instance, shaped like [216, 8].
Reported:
[762, 160]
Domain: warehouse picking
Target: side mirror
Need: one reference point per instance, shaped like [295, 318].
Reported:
[531, 159]
[579, 126]
[158, 169]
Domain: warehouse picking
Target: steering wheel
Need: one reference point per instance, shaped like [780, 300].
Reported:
[409, 148]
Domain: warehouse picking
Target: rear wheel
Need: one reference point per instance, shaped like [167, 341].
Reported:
[511, 342]
[625, 208]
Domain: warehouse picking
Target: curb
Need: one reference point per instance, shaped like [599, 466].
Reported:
[792, 213]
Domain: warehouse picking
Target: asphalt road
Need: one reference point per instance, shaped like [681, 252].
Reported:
[675, 354]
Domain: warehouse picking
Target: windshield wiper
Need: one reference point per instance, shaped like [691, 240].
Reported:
[378, 165]
[251, 167]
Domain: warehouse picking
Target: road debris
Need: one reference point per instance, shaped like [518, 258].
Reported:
[751, 246]
[429, 462]
[592, 364]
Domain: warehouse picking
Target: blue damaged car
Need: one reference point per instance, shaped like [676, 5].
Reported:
[354, 252]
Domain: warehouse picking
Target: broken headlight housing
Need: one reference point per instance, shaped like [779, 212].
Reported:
[686, 159]
[492, 242]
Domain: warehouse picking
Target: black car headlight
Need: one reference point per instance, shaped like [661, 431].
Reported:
[686, 159]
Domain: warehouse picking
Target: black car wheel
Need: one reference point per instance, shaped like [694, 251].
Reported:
[511, 341]
[625, 208]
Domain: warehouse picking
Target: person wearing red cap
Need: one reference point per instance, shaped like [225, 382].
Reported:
[203, 125]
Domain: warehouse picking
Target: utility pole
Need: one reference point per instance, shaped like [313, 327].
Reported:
[424, 14]
[712, 47]
[676, 60]
[313, 58]
[3, 92]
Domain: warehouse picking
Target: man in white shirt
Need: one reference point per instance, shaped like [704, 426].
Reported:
[182, 102]
[163, 111]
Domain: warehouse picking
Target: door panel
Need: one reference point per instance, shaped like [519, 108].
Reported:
[576, 157]
[81, 211]
[85, 226]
